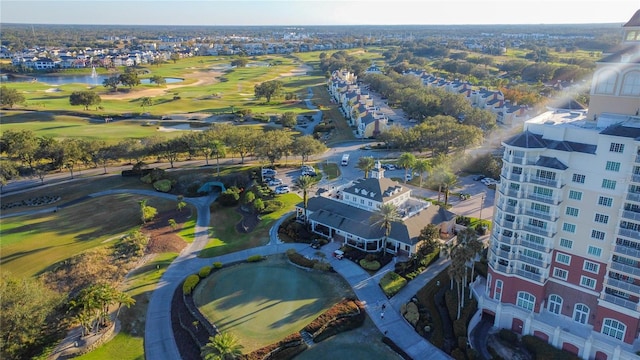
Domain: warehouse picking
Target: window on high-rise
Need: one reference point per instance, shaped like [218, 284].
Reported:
[497, 294]
[540, 207]
[594, 250]
[631, 84]
[544, 174]
[591, 266]
[563, 258]
[597, 234]
[569, 227]
[616, 147]
[614, 328]
[606, 82]
[578, 178]
[608, 184]
[601, 218]
[612, 166]
[605, 201]
[575, 195]
[566, 243]
[543, 191]
[525, 300]
[555, 304]
[571, 211]
[561, 274]
[581, 313]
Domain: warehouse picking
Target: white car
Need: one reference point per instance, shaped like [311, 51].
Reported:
[269, 172]
[282, 189]
[275, 182]
[489, 181]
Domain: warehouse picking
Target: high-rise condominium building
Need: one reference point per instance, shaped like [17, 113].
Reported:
[564, 253]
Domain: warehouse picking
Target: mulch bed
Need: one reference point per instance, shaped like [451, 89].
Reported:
[249, 220]
[163, 238]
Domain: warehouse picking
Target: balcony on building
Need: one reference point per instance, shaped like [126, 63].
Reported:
[541, 263]
[626, 286]
[626, 250]
[542, 215]
[542, 181]
[538, 230]
[627, 304]
[545, 199]
[631, 270]
[633, 197]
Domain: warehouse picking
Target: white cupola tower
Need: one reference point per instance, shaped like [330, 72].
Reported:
[377, 172]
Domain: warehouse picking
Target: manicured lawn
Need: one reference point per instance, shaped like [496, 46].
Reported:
[331, 170]
[187, 233]
[32, 243]
[65, 126]
[263, 302]
[122, 347]
[224, 237]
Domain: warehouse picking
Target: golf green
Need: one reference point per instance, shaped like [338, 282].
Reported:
[261, 303]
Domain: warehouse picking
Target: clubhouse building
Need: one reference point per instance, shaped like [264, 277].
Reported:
[345, 214]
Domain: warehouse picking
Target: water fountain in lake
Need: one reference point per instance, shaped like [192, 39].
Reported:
[94, 75]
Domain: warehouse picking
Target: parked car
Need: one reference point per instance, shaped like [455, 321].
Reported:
[269, 172]
[275, 182]
[282, 189]
[489, 181]
[478, 177]
[408, 177]
[388, 166]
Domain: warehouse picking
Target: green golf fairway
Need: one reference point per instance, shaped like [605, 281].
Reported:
[264, 302]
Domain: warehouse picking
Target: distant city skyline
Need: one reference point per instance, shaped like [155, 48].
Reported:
[308, 13]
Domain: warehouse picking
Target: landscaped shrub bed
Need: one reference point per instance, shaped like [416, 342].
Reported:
[345, 315]
[293, 231]
[284, 349]
[36, 201]
[255, 258]
[300, 260]
[373, 265]
[391, 283]
[190, 283]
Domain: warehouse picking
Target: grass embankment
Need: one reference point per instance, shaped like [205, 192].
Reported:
[226, 239]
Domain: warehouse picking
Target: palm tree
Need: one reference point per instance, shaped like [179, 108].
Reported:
[386, 215]
[218, 150]
[448, 181]
[421, 166]
[469, 240]
[457, 272]
[366, 163]
[304, 183]
[406, 161]
[223, 346]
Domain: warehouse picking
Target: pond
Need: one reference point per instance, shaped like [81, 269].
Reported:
[70, 79]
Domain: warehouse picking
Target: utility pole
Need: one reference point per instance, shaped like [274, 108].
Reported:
[481, 206]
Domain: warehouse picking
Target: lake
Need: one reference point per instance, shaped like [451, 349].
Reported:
[70, 79]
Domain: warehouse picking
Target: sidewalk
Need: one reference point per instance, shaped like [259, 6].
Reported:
[369, 292]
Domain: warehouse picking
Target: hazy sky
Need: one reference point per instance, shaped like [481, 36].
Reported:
[307, 12]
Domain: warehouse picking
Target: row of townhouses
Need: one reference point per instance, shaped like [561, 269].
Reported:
[356, 105]
[506, 112]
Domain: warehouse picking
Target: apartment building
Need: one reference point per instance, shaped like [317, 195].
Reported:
[564, 253]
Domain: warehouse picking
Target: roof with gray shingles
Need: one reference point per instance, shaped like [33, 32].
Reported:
[529, 140]
[358, 222]
[383, 190]
[550, 162]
